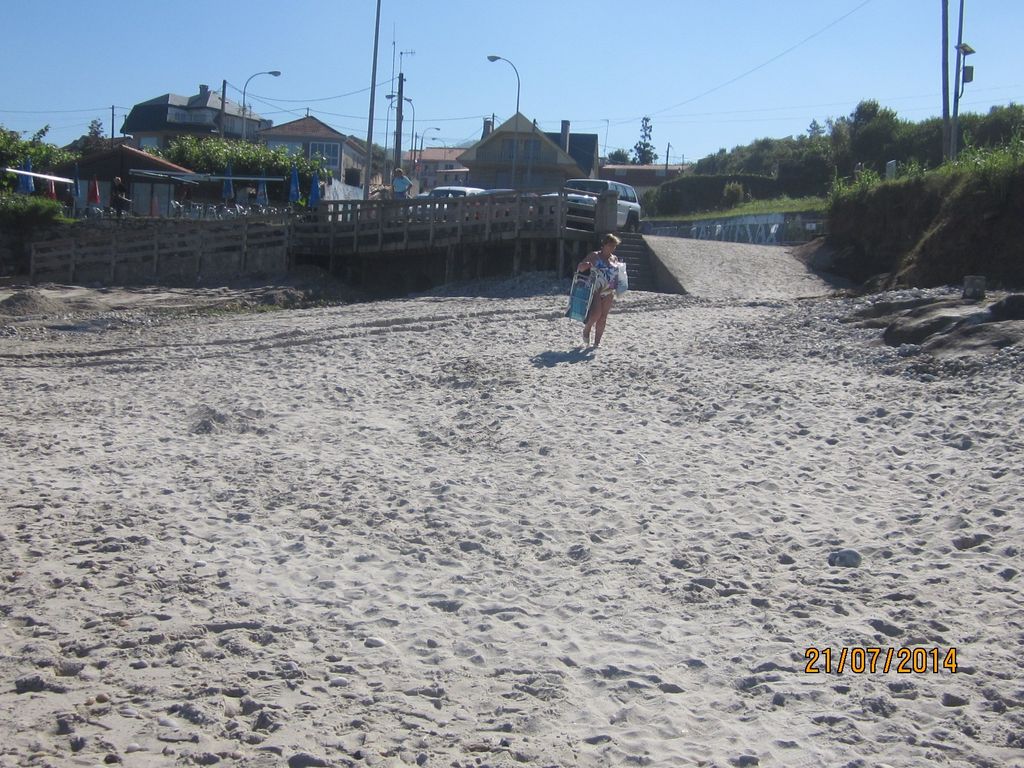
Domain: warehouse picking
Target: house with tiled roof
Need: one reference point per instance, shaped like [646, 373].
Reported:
[436, 167]
[518, 155]
[344, 156]
[155, 123]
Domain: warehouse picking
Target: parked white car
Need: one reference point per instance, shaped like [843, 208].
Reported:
[454, 191]
[582, 195]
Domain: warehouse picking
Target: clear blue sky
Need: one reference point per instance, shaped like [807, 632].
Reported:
[709, 74]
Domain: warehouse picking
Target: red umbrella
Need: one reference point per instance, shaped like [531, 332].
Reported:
[94, 192]
[51, 190]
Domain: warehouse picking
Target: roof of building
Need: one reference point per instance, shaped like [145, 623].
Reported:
[151, 115]
[582, 146]
[306, 127]
[582, 149]
[119, 161]
[440, 154]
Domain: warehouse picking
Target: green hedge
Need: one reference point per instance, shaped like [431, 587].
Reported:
[694, 194]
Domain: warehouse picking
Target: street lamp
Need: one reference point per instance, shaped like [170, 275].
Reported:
[964, 75]
[272, 72]
[412, 133]
[391, 99]
[387, 131]
[423, 137]
[515, 133]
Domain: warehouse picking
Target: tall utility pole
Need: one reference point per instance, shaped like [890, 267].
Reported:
[954, 130]
[111, 126]
[223, 106]
[398, 120]
[945, 80]
[373, 92]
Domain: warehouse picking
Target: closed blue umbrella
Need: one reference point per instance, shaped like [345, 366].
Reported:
[293, 188]
[75, 188]
[26, 184]
[228, 191]
[261, 192]
[314, 191]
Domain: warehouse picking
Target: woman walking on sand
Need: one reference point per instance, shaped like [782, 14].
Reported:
[606, 263]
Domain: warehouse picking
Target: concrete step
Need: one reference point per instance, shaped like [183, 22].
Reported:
[634, 251]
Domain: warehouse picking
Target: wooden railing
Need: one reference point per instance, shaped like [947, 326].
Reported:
[342, 226]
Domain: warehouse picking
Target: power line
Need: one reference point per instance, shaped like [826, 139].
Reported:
[759, 66]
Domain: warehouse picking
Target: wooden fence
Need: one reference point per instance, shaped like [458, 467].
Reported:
[163, 252]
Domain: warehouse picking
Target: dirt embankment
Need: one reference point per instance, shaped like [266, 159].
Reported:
[932, 231]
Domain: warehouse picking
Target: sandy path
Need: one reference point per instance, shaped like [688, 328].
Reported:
[718, 270]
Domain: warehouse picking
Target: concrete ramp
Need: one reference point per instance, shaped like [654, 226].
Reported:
[712, 269]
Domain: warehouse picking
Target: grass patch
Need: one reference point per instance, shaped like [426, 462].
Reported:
[817, 205]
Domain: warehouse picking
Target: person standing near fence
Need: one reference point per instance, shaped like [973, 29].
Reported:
[400, 185]
[119, 197]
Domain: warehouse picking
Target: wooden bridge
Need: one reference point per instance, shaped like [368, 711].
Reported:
[441, 239]
[342, 227]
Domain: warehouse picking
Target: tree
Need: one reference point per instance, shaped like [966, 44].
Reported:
[93, 141]
[643, 150]
[14, 151]
[618, 157]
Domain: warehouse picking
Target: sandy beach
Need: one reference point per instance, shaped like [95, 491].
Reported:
[437, 532]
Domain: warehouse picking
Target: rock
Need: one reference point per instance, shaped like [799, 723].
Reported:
[1009, 308]
[744, 760]
[303, 760]
[36, 684]
[785, 559]
[953, 700]
[845, 558]
[940, 316]
[265, 721]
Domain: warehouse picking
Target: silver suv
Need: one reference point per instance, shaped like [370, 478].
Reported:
[582, 194]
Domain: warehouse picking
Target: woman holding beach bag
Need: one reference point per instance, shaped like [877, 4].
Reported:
[606, 271]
